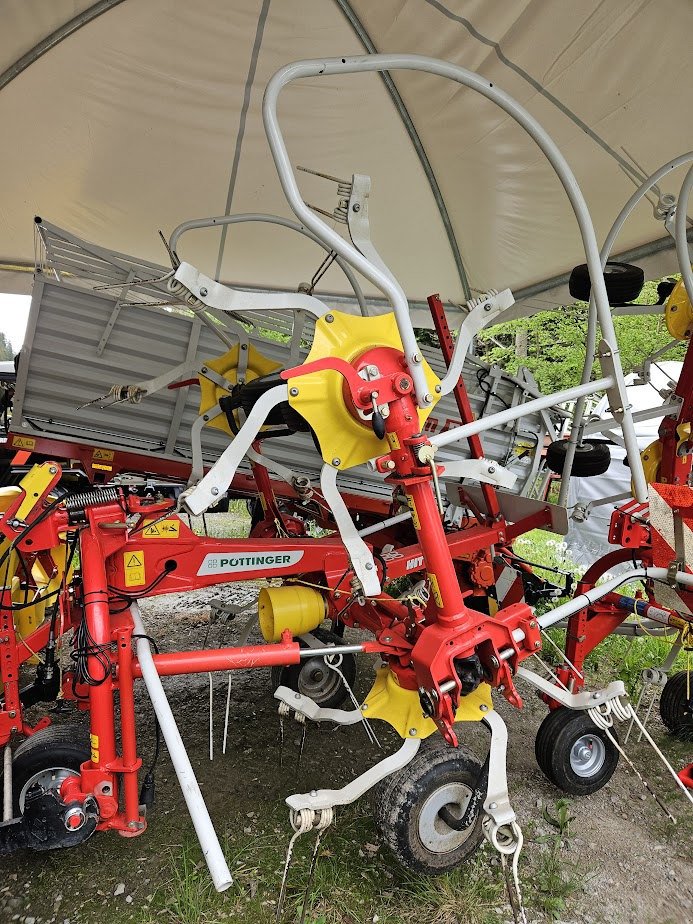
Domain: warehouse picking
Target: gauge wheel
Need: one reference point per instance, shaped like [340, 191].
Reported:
[314, 679]
[591, 458]
[623, 281]
[676, 705]
[574, 753]
[408, 806]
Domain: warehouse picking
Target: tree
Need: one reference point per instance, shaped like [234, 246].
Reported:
[555, 342]
[6, 350]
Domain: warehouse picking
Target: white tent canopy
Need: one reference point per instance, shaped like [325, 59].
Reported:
[122, 117]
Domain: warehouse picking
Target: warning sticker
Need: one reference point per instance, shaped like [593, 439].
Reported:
[23, 442]
[94, 741]
[133, 565]
[106, 455]
[102, 468]
[164, 529]
[414, 512]
[393, 440]
[435, 589]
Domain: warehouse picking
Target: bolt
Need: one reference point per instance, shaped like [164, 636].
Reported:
[204, 369]
[389, 464]
[329, 318]
[387, 638]
[293, 392]
[491, 469]
[493, 806]
[356, 207]
[494, 661]
[364, 707]
[52, 470]
[439, 388]
[537, 644]
[206, 417]
[13, 713]
[428, 397]
[533, 624]
[416, 357]
[203, 291]
[488, 306]
[404, 384]
[369, 566]
[336, 461]
[313, 793]
[297, 695]
[413, 732]
[215, 491]
[244, 346]
[595, 696]
[483, 707]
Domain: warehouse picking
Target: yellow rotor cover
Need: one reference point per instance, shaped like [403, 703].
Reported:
[320, 398]
[401, 708]
[678, 313]
[227, 365]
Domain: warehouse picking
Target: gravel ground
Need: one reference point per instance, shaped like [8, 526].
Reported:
[635, 866]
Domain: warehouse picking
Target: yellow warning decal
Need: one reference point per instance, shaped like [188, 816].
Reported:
[106, 455]
[414, 512]
[23, 442]
[164, 529]
[435, 589]
[102, 468]
[133, 565]
[393, 440]
[94, 740]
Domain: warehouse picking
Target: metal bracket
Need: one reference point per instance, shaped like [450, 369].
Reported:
[328, 798]
[300, 703]
[584, 700]
[497, 803]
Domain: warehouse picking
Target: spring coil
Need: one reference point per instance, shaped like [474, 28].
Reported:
[77, 504]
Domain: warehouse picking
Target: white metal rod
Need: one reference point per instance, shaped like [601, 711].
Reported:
[596, 593]
[680, 229]
[209, 842]
[7, 784]
[513, 413]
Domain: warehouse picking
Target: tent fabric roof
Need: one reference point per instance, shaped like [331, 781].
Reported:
[144, 115]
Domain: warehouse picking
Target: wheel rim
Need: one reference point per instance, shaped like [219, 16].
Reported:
[317, 681]
[434, 833]
[51, 778]
[587, 756]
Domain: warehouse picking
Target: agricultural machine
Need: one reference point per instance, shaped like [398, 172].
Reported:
[371, 438]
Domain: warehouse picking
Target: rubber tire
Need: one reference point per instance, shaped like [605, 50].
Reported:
[591, 458]
[672, 706]
[623, 281]
[56, 746]
[555, 738]
[289, 676]
[400, 797]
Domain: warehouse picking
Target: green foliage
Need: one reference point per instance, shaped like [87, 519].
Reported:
[6, 349]
[556, 342]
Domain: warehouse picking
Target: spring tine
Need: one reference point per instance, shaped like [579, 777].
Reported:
[323, 176]
[647, 714]
[302, 745]
[311, 874]
[287, 864]
[226, 717]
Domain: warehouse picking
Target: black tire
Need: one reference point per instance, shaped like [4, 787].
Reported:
[675, 707]
[58, 746]
[623, 281]
[407, 806]
[591, 458]
[573, 753]
[314, 679]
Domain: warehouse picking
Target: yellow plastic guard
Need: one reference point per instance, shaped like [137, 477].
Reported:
[226, 365]
[401, 708]
[678, 313]
[651, 460]
[320, 398]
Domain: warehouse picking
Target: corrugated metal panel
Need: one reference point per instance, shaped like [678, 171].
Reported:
[60, 371]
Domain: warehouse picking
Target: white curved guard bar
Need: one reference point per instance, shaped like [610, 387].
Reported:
[681, 227]
[215, 295]
[393, 291]
[215, 483]
[221, 220]
[591, 343]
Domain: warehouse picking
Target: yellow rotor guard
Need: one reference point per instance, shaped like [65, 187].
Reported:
[401, 708]
[678, 313]
[651, 460]
[226, 365]
[320, 398]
